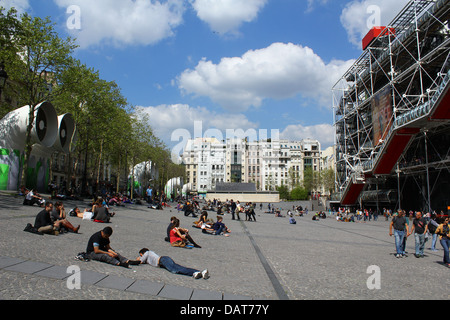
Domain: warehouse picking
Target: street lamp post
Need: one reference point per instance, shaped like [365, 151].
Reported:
[398, 171]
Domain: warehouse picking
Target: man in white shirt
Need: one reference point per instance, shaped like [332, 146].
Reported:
[147, 256]
[31, 199]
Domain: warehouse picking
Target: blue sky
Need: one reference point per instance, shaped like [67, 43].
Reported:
[230, 64]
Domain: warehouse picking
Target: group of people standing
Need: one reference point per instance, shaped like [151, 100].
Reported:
[421, 228]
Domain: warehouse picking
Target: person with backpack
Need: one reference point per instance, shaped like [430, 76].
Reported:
[432, 226]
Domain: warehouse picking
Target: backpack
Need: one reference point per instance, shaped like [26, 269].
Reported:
[431, 228]
[29, 228]
[82, 256]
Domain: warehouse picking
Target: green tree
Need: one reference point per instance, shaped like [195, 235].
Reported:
[9, 26]
[311, 179]
[40, 57]
[299, 193]
[327, 179]
[284, 192]
[107, 128]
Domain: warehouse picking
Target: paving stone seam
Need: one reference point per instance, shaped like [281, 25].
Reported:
[280, 291]
[36, 273]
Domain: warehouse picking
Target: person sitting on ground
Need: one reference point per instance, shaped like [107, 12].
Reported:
[188, 209]
[101, 213]
[175, 236]
[59, 214]
[95, 204]
[150, 257]
[44, 223]
[278, 213]
[99, 249]
[33, 197]
[292, 220]
[179, 237]
[217, 228]
[203, 219]
[169, 227]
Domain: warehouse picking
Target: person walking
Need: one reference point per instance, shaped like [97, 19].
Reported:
[148, 193]
[432, 226]
[419, 228]
[233, 209]
[444, 237]
[239, 208]
[401, 229]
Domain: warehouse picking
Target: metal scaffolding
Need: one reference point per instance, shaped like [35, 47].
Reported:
[396, 90]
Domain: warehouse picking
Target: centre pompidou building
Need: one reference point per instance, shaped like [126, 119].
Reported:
[392, 115]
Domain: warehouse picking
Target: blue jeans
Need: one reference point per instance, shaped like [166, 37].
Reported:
[420, 243]
[170, 265]
[219, 230]
[399, 243]
[446, 244]
[433, 241]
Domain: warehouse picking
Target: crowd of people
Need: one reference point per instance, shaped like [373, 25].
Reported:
[53, 219]
[235, 208]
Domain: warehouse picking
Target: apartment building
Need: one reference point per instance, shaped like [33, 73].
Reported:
[268, 164]
[204, 159]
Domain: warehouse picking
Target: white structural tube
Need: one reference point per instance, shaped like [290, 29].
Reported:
[65, 140]
[50, 133]
[13, 127]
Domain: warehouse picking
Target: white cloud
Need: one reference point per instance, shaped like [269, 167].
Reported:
[174, 124]
[166, 119]
[125, 22]
[322, 132]
[279, 71]
[21, 6]
[312, 3]
[226, 16]
[358, 16]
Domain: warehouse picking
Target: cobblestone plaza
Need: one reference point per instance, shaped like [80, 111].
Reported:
[265, 260]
